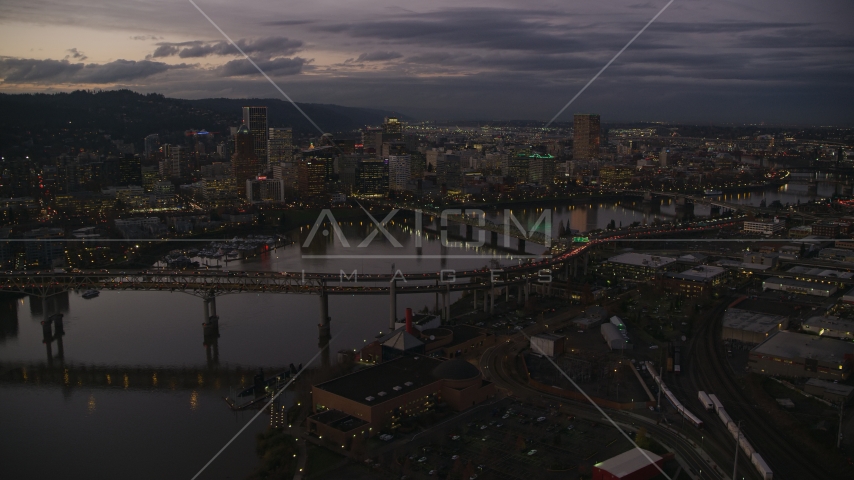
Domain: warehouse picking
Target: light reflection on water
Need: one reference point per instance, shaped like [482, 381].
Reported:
[140, 430]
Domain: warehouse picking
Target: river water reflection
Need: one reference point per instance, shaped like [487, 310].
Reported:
[140, 430]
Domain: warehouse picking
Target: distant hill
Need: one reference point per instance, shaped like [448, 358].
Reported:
[46, 122]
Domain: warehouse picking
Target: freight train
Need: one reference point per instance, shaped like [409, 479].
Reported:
[756, 459]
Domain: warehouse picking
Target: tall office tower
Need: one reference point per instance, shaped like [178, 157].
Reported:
[586, 136]
[244, 161]
[392, 130]
[448, 171]
[152, 144]
[399, 171]
[130, 171]
[280, 145]
[372, 177]
[312, 177]
[372, 140]
[662, 157]
[517, 167]
[255, 119]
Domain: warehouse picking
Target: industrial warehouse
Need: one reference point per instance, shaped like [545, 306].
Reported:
[751, 327]
[383, 396]
[799, 355]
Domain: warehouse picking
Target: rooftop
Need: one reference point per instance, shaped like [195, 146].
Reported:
[401, 340]
[835, 388]
[641, 259]
[628, 462]
[384, 381]
[548, 336]
[339, 420]
[821, 272]
[798, 283]
[829, 323]
[751, 321]
[700, 273]
[801, 345]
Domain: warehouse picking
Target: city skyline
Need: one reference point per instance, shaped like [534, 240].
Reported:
[726, 63]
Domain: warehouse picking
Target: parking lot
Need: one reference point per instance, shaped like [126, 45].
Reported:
[512, 441]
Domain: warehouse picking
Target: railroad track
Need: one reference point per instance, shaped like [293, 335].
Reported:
[715, 375]
[494, 361]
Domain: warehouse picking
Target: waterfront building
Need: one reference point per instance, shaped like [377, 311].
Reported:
[385, 395]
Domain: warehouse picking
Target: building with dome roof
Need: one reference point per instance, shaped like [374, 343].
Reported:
[380, 397]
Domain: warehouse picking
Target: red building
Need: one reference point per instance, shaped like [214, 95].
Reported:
[632, 465]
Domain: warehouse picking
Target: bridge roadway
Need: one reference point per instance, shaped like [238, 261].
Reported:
[209, 282]
[710, 200]
[469, 218]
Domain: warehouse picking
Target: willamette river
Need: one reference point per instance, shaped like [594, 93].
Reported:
[143, 432]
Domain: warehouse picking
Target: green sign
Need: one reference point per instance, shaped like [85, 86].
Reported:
[580, 239]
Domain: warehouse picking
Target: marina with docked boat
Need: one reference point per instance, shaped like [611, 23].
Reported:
[218, 253]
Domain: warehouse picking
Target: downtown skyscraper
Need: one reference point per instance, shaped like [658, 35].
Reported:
[585, 136]
[255, 119]
[279, 146]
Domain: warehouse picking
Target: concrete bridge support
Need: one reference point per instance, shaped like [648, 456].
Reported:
[210, 330]
[493, 239]
[392, 304]
[474, 300]
[521, 246]
[469, 233]
[448, 302]
[209, 304]
[324, 327]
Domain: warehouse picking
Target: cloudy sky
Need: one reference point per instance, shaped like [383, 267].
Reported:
[773, 61]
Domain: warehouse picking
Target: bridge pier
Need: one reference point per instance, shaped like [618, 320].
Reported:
[53, 330]
[392, 304]
[493, 239]
[521, 246]
[210, 331]
[474, 300]
[469, 233]
[527, 290]
[448, 302]
[323, 327]
[491, 296]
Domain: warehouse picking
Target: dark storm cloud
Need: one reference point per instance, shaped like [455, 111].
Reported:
[76, 54]
[27, 70]
[263, 47]
[378, 56]
[286, 23]
[274, 67]
[481, 28]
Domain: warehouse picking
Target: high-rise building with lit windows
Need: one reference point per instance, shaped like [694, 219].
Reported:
[280, 147]
[392, 130]
[244, 162]
[255, 119]
[586, 136]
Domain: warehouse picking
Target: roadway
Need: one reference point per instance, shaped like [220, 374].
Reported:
[210, 282]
